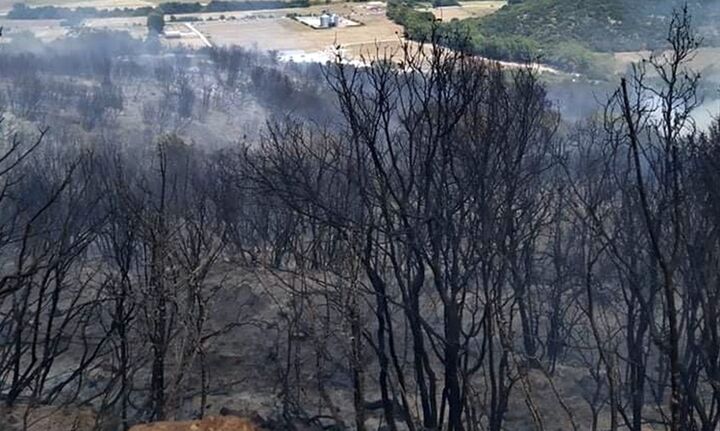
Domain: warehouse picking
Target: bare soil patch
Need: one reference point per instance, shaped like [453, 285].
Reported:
[472, 9]
[283, 33]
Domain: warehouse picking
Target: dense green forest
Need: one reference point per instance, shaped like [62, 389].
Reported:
[572, 34]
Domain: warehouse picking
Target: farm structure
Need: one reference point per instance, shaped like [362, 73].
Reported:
[326, 20]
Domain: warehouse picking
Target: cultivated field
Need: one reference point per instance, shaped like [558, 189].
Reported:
[286, 34]
[6, 5]
[704, 61]
[264, 29]
[45, 29]
[471, 9]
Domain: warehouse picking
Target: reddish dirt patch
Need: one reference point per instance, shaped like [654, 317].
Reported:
[224, 423]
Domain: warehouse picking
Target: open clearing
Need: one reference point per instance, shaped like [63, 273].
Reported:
[271, 29]
[284, 33]
[43, 29]
[470, 9]
[275, 30]
[6, 5]
[704, 61]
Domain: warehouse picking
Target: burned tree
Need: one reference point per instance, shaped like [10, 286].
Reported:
[433, 173]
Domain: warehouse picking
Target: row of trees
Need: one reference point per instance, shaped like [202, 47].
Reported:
[23, 11]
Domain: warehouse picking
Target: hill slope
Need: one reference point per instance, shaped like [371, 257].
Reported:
[602, 25]
[570, 33]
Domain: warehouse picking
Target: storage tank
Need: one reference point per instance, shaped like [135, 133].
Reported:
[324, 20]
[334, 20]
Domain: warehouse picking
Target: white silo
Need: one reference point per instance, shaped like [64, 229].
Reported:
[325, 20]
